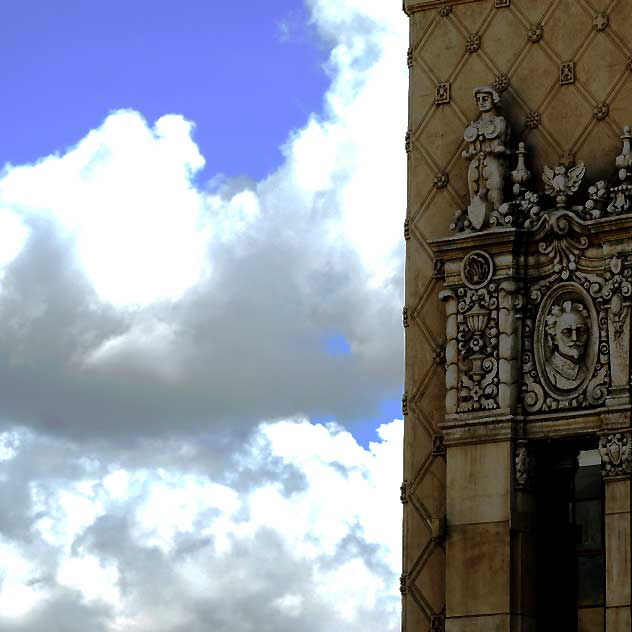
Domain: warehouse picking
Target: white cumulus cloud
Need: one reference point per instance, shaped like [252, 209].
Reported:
[162, 355]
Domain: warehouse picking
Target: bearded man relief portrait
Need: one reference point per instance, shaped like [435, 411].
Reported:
[566, 341]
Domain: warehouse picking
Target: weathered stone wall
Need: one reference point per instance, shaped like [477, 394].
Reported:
[564, 68]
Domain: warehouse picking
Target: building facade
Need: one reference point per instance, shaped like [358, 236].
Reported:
[518, 440]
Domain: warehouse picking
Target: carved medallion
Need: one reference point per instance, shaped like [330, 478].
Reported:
[566, 341]
[477, 269]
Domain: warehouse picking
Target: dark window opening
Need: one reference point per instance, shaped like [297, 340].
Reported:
[570, 582]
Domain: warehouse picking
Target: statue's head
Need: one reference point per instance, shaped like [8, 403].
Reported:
[567, 326]
[487, 98]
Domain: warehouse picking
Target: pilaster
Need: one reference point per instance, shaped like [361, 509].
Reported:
[616, 456]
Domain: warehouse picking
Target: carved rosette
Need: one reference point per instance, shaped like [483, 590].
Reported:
[477, 336]
[616, 454]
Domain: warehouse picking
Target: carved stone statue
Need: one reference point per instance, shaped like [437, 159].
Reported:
[487, 141]
[568, 329]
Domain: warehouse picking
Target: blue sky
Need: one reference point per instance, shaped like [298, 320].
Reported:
[246, 76]
[201, 350]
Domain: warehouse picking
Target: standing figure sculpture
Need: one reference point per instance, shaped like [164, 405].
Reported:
[487, 141]
[568, 329]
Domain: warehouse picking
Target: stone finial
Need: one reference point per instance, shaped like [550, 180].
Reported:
[624, 160]
[520, 175]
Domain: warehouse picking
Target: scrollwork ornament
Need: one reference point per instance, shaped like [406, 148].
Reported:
[616, 454]
[524, 465]
[616, 292]
[562, 239]
[477, 340]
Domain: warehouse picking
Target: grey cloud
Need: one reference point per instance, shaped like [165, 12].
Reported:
[259, 569]
[249, 342]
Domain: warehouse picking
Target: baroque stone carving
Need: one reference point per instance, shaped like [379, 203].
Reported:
[403, 497]
[532, 121]
[437, 623]
[601, 111]
[441, 181]
[478, 348]
[487, 141]
[536, 32]
[565, 360]
[442, 93]
[501, 83]
[617, 291]
[477, 269]
[566, 334]
[524, 465]
[562, 181]
[403, 584]
[473, 43]
[567, 73]
[616, 454]
[438, 355]
[438, 445]
[438, 268]
[575, 315]
[601, 22]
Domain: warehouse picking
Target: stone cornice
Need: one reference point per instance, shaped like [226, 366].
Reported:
[454, 246]
[414, 6]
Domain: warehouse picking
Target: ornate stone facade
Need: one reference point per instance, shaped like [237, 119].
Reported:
[519, 264]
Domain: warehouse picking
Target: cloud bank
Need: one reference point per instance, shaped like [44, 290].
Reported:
[163, 346]
[301, 533]
[141, 300]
